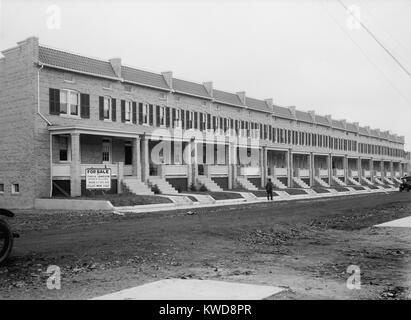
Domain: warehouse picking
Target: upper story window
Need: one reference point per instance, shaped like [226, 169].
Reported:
[127, 88]
[107, 108]
[127, 111]
[107, 85]
[162, 116]
[68, 77]
[145, 113]
[69, 102]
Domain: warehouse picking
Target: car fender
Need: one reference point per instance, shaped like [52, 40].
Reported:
[7, 213]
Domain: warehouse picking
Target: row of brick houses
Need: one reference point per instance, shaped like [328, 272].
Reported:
[61, 113]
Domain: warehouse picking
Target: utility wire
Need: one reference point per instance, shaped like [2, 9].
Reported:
[378, 41]
[367, 57]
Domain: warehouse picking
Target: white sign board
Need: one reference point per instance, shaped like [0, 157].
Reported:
[98, 178]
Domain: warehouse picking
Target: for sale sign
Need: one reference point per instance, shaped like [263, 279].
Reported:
[98, 178]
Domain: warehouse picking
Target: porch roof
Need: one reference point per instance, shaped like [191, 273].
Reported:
[92, 131]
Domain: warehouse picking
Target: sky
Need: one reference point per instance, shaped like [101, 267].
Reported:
[305, 53]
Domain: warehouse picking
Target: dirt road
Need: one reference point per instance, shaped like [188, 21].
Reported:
[304, 246]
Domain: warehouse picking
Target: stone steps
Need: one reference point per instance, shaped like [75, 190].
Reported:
[134, 185]
[243, 182]
[321, 182]
[162, 185]
[300, 182]
[338, 181]
[209, 184]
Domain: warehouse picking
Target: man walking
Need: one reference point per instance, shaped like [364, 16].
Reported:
[269, 188]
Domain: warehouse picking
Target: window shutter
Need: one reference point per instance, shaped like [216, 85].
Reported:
[140, 113]
[113, 110]
[182, 119]
[167, 117]
[173, 117]
[188, 121]
[151, 115]
[54, 96]
[158, 116]
[123, 111]
[134, 112]
[270, 132]
[195, 120]
[84, 105]
[101, 107]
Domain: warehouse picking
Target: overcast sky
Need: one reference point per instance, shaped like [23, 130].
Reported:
[306, 53]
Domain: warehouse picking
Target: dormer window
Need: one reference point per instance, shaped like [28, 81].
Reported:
[69, 102]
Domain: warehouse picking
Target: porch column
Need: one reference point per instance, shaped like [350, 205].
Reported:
[311, 168]
[120, 176]
[382, 169]
[359, 168]
[145, 165]
[193, 148]
[229, 166]
[372, 170]
[345, 166]
[187, 156]
[75, 174]
[330, 169]
[233, 164]
[136, 158]
[392, 169]
[290, 169]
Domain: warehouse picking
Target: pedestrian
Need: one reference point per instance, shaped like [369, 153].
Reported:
[269, 188]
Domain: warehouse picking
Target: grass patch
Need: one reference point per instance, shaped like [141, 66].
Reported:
[372, 187]
[261, 193]
[340, 189]
[357, 188]
[320, 190]
[128, 199]
[219, 195]
[295, 191]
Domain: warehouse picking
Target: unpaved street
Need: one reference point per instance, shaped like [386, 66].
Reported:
[304, 246]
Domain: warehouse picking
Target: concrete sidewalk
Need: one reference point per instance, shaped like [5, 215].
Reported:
[399, 223]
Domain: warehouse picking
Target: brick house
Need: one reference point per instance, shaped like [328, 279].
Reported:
[61, 113]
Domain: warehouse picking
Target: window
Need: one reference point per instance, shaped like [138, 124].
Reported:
[127, 88]
[107, 85]
[162, 116]
[64, 146]
[107, 108]
[106, 152]
[15, 188]
[127, 111]
[1, 187]
[68, 77]
[145, 113]
[69, 102]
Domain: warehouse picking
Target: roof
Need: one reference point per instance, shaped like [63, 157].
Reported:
[337, 124]
[321, 120]
[143, 77]
[190, 88]
[226, 97]
[363, 130]
[303, 116]
[76, 62]
[256, 104]
[282, 112]
[351, 127]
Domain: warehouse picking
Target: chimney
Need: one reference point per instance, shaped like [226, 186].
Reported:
[292, 110]
[330, 121]
[241, 95]
[31, 45]
[209, 87]
[116, 65]
[168, 78]
[344, 123]
[312, 114]
[270, 104]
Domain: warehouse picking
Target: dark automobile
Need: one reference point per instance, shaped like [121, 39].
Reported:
[405, 183]
[6, 235]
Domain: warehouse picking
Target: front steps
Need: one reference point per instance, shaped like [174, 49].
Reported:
[387, 180]
[209, 184]
[321, 182]
[396, 180]
[243, 182]
[277, 183]
[134, 185]
[378, 181]
[338, 181]
[353, 181]
[300, 182]
[162, 185]
[367, 181]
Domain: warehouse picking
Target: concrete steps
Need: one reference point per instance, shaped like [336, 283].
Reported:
[378, 181]
[321, 182]
[209, 184]
[353, 181]
[277, 183]
[162, 185]
[367, 181]
[396, 180]
[387, 180]
[243, 182]
[134, 185]
[300, 182]
[338, 181]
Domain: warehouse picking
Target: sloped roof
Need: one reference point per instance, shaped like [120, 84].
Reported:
[303, 116]
[282, 112]
[321, 120]
[351, 127]
[76, 62]
[375, 132]
[143, 77]
[190, 88]
[257, 104]
[337, 124]
[363, 131]
[226, 97]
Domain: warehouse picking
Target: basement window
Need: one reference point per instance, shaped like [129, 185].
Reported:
[15, 188]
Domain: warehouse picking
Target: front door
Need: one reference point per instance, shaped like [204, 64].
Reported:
[106, 152]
